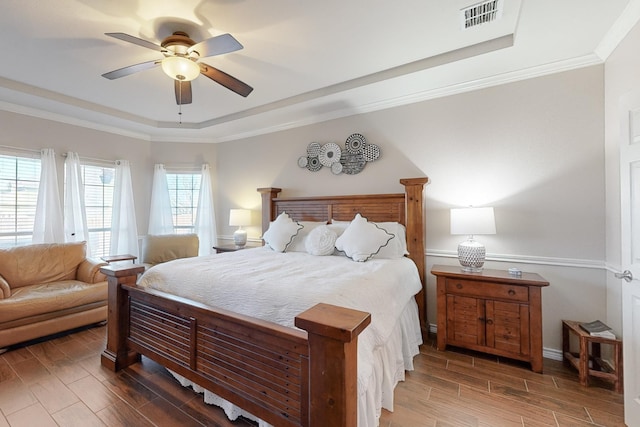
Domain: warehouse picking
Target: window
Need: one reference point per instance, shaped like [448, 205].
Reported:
[19, 183]
[98, 200]
[184, 191]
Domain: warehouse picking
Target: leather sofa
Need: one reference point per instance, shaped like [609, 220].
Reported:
[49, 288]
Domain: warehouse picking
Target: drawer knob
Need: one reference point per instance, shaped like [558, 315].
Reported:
[511, 292]
[489, 321]
[459, 285]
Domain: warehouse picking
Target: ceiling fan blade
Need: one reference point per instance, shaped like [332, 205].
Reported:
[225, 79]
[183, 92]
[216, 46]
[136, 40]
[116, 74]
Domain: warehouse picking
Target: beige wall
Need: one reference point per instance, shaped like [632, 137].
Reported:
[532, 149]
[35, 134]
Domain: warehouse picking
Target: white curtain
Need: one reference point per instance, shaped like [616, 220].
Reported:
[205, 217]
[124, 231]
[75, 215]
[48, 224]
[160, 218]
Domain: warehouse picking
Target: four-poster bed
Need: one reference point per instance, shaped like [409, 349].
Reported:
[304, 376]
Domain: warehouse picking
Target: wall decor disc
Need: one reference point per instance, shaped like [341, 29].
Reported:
[313, 149]
[329, 154]
[352, 163]
[355, 143]
[371, 152]
[303, 161]
[314, 164]
[336, 168]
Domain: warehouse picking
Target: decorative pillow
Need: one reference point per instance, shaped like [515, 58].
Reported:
[298, 244]
[362, 239]
[321, 241]
[397, 247]
[281, 232]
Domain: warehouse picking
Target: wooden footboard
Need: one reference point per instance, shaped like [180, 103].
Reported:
[284, 376]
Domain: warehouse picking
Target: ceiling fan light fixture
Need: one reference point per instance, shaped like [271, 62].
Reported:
[180, 68]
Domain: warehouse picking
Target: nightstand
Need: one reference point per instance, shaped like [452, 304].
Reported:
[117, 258]
[232, 248]
[491, 311]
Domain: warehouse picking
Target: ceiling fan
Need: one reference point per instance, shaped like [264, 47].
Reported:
[181, 62]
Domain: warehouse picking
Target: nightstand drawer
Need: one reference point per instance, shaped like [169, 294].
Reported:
[487, 290]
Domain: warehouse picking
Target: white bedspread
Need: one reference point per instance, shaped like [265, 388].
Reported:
[278, 286]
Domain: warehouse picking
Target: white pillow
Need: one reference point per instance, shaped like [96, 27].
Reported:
[321, 241]
[362, 239]
[298, 244]
[281, 232]
[397, 247]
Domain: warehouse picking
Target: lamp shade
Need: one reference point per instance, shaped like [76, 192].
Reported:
[472, 221]
[180, 68]
[239, 217]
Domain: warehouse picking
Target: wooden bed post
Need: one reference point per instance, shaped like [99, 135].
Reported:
[116, 356]
[415, 237]
[268, 194]
[333, 347]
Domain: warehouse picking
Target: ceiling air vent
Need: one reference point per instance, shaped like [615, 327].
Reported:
[481, 13]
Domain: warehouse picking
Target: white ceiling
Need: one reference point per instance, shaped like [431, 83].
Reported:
[307, 61]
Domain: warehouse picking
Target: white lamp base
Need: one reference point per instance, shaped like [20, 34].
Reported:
[471, 255]
[240, 238]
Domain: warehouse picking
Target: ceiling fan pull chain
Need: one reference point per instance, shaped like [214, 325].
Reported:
[180, 103]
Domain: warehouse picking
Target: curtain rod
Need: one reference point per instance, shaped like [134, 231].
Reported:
[28, 150]
[93, 159]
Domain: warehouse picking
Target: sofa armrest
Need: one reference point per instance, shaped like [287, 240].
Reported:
[5, 290]
[89, 271]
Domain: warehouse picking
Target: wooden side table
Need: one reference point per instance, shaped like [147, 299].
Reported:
[590, 352]
[232, 248]
[491, 311]
[116, 258]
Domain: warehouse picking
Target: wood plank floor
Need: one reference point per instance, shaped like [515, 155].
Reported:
[59, 382]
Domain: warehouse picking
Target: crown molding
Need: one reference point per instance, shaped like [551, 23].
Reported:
[66, 119]
[491, 81]
[497, 80]
[625, 22]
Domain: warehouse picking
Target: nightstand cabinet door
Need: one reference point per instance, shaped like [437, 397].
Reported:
[464, 327]
[507, 326]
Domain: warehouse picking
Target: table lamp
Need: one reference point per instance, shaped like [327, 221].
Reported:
[240, 218]
[472, 221]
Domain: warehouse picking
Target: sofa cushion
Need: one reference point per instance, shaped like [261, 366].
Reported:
[161, 248]
[41, 263]
[33, 300]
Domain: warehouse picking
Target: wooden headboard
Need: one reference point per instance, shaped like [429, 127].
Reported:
[405, 208]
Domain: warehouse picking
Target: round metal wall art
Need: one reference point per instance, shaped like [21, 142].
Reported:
[329, 154]
[355, 143]
[351, 160]
[313, 150]
[314, 164]
[352, 163]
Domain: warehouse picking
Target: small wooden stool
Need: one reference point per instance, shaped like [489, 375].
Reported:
[581, 361]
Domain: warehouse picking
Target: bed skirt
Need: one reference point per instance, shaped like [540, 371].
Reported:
[390, 363]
